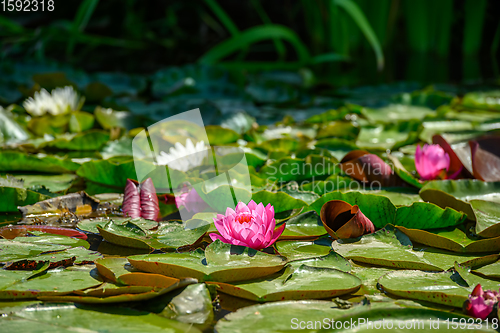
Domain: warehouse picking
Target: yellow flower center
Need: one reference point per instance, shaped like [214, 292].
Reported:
[243, 218]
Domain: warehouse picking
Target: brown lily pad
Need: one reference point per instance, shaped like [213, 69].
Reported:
[342, 220]
[485, 154]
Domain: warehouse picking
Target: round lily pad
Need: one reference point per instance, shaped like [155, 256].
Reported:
[219, 262]
[297, 282]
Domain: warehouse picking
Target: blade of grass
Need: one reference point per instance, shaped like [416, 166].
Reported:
[223, 17]
[253, 35]
[83, 14]
[278, 44]
[357, 15]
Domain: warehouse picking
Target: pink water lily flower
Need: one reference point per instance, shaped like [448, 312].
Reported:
[251, 226]
[430, 161]
[480, 304]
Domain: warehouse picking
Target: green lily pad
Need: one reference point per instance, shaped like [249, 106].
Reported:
[486, 100]
[90, 140]
[399, 196]
[13, 250]
[487, 215]
[294, 250]
[369, 277]
[169, 235]
[287, 168]
[75, 255]
[90, 225]
[458, 193]
[218, 135]
[304, 226]
[396, 112]
[19, 161]
[219, 262]
[424, 215]
[337, 147]
[312, 316]
[114, 267]
[49, 239]
[119, 298]
[338, 129]
[280, 200]
[15, 196]
[306, 196]
[53, 183]
[446, 288]
[53, 282]
[388, 136]
[452, 239]
[294, 283]
[490, 271]
[70, 318]
[389, 247]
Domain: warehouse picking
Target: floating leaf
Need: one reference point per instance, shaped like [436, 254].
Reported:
[295, 283]
[15, 196]
[307, 225]
[452, 239]
[169, 235]
[281, 201]
[19, 161]
[13, 250]
[53, 282]
[424, 215]
[389, 247]
[442, 288]
[71, 318]
[135, 297]
[457, 193]
[90, 225]
[220, 262]
[75, 255]
[487, 215]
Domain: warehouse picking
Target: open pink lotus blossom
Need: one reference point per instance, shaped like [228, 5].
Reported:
[430, 161]
[480, 304]
[192, 201]
[251, 226]
[140, 200]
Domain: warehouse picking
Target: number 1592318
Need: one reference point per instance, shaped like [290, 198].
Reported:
[27, 5]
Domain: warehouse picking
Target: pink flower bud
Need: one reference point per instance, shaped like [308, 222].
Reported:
[430, 161]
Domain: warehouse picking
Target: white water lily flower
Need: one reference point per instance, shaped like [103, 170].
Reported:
[60, 101]
[184, 158]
